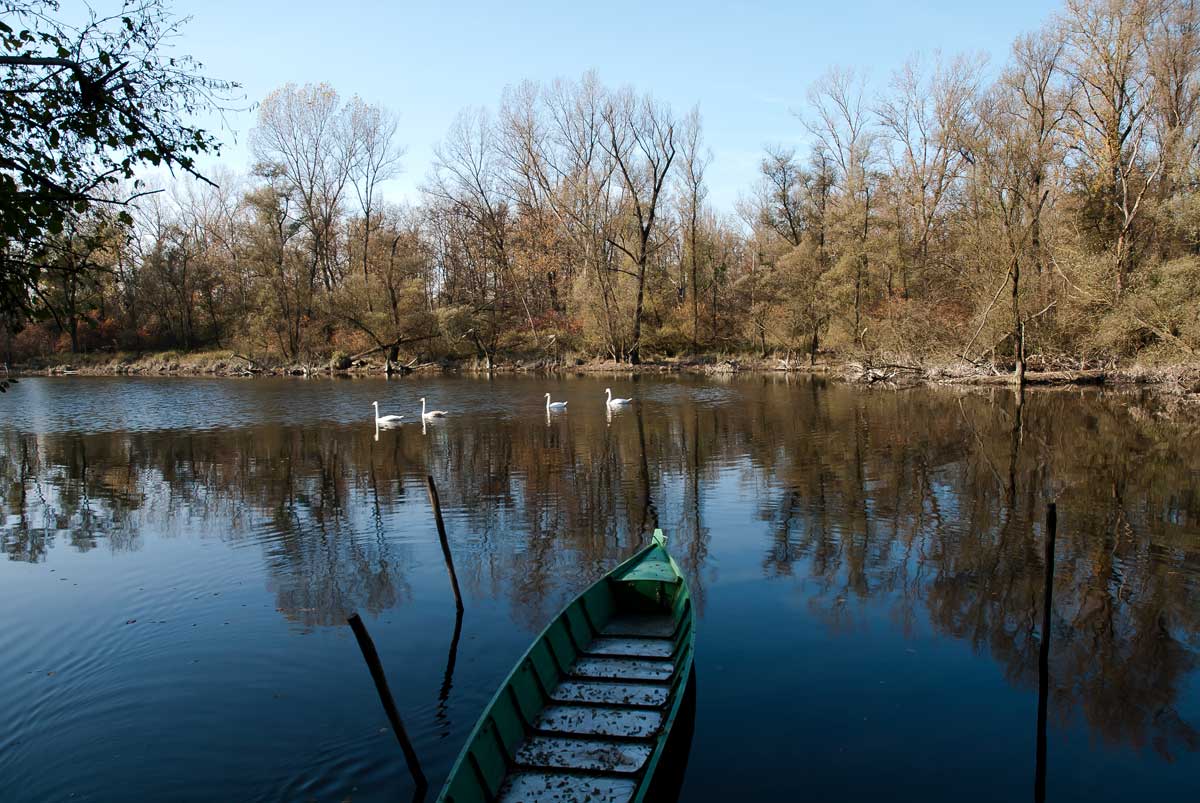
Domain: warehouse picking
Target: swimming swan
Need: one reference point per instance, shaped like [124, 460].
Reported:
[554, 405]
[616, 402]
[431, 413]
[385, 420]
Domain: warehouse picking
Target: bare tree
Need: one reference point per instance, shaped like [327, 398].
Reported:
[1053, 206]
[466, 181]
[694, 160]
[642, 141]
[377, 154]
[1106, 62]
[781, 197]
[926, 117]
[841, 122]
[303, 133]
[580, 179]
[1018, 142]
[1173, 63]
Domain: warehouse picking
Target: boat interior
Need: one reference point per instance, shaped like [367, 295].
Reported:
[582, 714]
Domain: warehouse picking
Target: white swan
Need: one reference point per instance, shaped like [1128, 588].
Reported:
[385, 420]
[554, 405]
[616, 402]
[431, 413]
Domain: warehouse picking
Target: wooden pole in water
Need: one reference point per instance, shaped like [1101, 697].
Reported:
[385, 696]
[1039, 782]
[441, 527]
[451, 660]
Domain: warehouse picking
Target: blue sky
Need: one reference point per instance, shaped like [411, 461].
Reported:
[747, 65]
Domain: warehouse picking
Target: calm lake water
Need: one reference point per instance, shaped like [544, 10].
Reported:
[179, 557]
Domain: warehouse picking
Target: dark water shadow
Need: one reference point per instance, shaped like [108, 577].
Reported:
[672, 768]
[448, 678]
[1039, 778]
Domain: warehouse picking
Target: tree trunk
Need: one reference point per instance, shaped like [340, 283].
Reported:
[1018, 325]
[713, 333]
[860, 277]
[1121, 264]
[635, 355]
[366, 252]
[695, 293]
[857, 299]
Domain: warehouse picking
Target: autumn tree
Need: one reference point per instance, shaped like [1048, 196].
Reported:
[1106, 62]
[642, 141]
[925, 119]
[1045, 211]
[691, 192]
[474, 223]
[375, 158]
[1017, 144]
[303, 141]
[85, 108]
[841, 122]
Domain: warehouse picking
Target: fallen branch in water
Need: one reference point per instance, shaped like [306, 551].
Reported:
[394, 344]
[253, 363]
[1093, 377]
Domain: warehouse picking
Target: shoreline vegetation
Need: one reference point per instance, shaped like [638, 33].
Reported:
[892, 371]
[1034, 222]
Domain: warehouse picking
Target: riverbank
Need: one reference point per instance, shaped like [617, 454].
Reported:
[884, 371]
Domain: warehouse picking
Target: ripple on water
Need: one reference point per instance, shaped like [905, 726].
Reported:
[865, 557]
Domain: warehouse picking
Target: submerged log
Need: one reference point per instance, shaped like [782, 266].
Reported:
[1092, 377]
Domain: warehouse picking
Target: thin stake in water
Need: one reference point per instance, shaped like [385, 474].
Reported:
[385, 696]
[441, 528]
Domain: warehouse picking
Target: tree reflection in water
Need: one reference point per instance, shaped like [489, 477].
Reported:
[929, 500]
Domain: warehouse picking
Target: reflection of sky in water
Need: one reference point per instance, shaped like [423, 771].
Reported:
[56, 405]
[867, 567]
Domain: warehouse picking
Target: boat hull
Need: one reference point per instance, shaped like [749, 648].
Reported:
[587, 712]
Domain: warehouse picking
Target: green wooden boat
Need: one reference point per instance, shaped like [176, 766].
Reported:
[586, 712]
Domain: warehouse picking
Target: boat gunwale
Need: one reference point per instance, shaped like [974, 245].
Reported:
[679, 688]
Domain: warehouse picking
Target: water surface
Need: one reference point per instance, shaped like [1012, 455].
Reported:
[180, 556]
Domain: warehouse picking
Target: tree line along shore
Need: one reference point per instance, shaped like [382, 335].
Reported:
[1035, 216]
[1181, 380]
